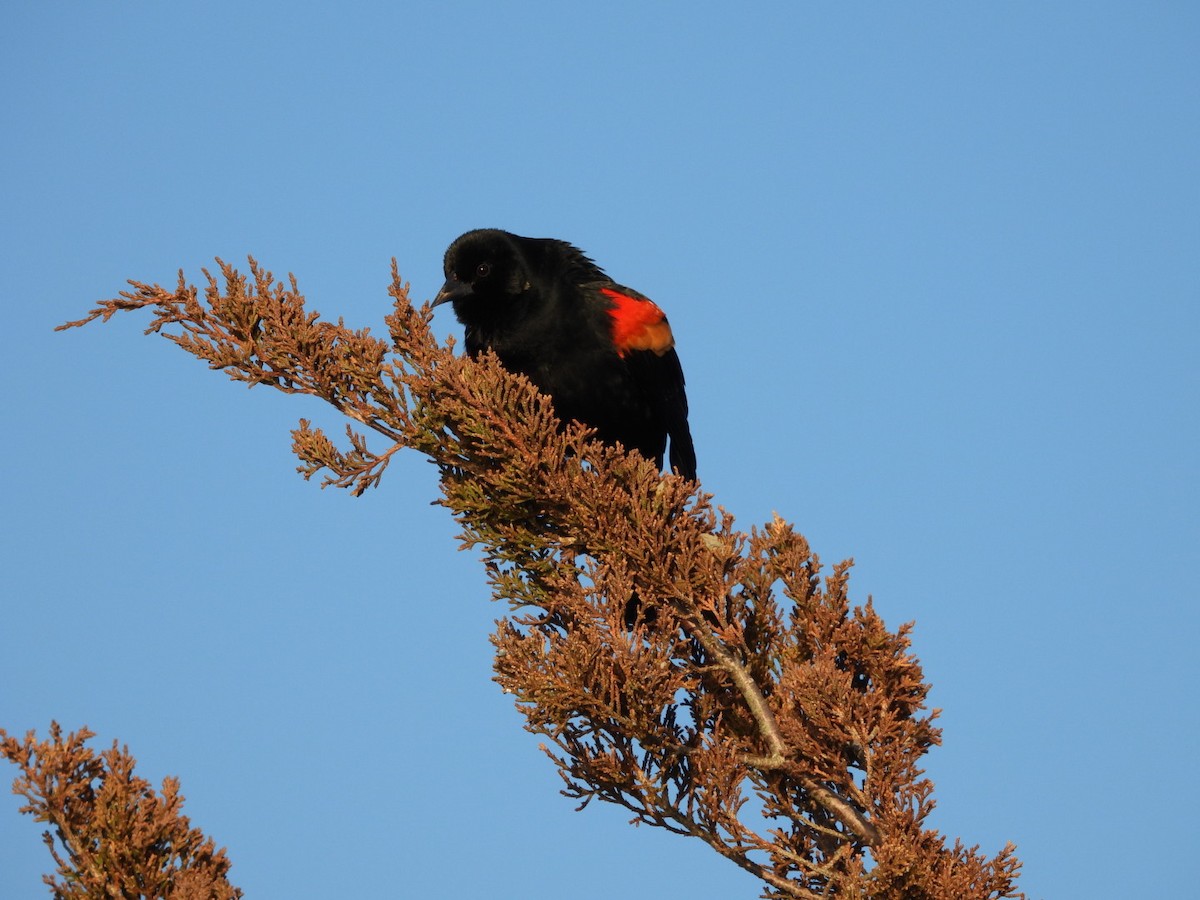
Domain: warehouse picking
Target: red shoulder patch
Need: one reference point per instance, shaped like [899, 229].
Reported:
[638, 324]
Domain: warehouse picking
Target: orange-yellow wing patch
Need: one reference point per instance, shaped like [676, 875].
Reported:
[638, 324]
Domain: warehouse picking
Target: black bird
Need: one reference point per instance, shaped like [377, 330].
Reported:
[603, 353]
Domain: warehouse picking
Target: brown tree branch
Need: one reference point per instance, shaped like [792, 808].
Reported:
[118, 838]
[746, 677]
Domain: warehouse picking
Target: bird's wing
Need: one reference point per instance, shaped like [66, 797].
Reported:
[643, 338]
[638, 323]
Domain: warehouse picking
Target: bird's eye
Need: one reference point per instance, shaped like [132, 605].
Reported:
[482, 270]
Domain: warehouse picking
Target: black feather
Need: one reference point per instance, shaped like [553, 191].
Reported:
[537, 303]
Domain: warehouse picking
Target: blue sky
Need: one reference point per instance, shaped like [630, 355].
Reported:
[932, 270]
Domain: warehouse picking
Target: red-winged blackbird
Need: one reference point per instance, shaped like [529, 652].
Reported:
[603, 353]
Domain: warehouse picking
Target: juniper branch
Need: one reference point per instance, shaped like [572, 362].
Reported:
[817, 706]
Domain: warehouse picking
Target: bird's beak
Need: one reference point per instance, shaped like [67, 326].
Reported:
[452, 290]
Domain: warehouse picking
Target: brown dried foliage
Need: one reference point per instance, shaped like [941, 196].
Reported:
[115, 836]
[752, 707]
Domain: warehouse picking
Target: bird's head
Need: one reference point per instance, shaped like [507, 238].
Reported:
[482, 267]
